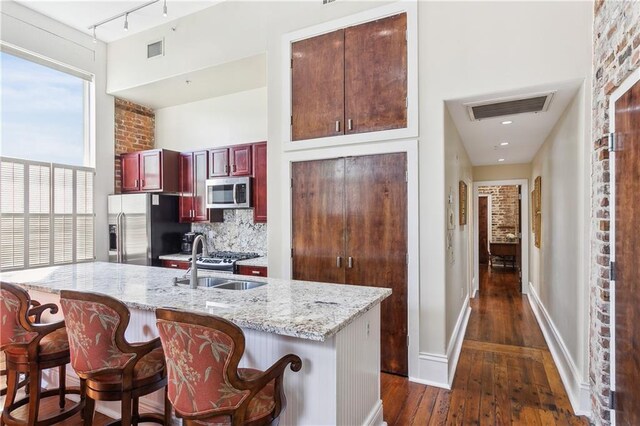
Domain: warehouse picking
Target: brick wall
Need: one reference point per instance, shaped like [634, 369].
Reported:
[504, 211]
[616, 54]
[134, 131]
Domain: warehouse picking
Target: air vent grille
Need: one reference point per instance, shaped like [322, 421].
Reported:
[155, 49]
[501, 108]
[327, 1]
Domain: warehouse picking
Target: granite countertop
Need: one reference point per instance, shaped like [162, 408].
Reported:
[307, 310]
[257, 261]
[177, 257]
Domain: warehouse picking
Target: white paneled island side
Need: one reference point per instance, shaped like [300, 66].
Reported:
[335, 329]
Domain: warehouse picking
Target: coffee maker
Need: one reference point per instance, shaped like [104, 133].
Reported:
[187, 243]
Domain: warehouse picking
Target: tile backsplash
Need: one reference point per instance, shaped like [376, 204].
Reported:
[236, 233]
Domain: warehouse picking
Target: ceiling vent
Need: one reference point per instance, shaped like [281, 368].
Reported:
[327, 1]
[155, 49]
[509, 106]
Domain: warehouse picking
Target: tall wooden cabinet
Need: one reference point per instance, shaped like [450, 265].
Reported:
[350, 227]
[260, 182]
[352, 80]
[193, 174]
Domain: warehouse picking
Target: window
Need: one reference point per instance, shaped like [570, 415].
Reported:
[46, 190]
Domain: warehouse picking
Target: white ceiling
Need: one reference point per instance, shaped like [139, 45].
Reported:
[525, 135]
[83, 14]
[230, 77]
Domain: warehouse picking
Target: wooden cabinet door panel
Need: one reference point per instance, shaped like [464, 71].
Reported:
[258, 271]
[260, 182]
[219, 162]
[175, 264]
[186, 187]
[376, 75]
[318, 220]
[240, 163]
[151, 170]
[200, 170]
[130, 172]
[627, 253]
[317, 86]
[376, 244]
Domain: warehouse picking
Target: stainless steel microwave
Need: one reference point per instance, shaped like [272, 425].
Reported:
[229, 193]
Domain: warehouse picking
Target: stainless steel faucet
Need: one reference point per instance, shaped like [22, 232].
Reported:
[194, 255]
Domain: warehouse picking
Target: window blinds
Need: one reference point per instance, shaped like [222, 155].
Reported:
[47, 214]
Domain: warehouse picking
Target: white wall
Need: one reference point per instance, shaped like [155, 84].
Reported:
[558, 268]
[225, 120]
[458, 168]
[32, 31]
[506, 172]
[465, 49]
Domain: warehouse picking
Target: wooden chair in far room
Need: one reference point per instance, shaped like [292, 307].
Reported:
[205, 384]
[30, 347]
[109, 367]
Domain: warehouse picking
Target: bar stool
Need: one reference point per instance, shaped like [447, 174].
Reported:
[205, 384]
[109, 367]
[29, 349]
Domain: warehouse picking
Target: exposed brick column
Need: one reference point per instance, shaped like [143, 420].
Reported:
[504, 211]
[134, 131]
[616, 54]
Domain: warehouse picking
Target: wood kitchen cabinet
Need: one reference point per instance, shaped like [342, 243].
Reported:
[154, 170]
[232, 161]
[193, 175]
[352, 80]
[256, 271]
[349, 226]
[260, 182]
[175, 264]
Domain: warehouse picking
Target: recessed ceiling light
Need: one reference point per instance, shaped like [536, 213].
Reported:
[500, 160]
[507, 122]
[504, 143]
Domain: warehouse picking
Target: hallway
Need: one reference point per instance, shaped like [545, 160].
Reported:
[505, 374]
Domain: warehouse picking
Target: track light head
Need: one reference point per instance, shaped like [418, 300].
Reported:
[164, 9]
[95, 39]
[126, 22]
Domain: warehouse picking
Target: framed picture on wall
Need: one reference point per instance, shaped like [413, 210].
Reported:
[462, 199]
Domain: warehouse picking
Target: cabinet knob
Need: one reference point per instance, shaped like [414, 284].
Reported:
[338, 262]
[350, 262]
[233, 168]
[255, 272]
[350, 124]
[337, 125]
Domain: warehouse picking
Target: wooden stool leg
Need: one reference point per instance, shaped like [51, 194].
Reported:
[35, 379]
[62, 385]
[136, 411]
[12, 389]
[88, 410]
[126, 409]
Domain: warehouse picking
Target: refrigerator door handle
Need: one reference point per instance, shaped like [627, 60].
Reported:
[122, 242]
[118, 239]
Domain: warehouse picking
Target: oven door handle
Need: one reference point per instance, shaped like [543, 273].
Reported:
[235, 189]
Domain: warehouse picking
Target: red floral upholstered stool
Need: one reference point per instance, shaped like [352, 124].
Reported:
[109, 367]
[206, 386]
[30, 348]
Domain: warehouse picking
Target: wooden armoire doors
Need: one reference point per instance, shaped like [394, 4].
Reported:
[350, 227]
[627, 253]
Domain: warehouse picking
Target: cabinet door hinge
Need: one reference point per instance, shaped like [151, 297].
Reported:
[612, 269]
[407, 340]
[406, 175]
[519, 196]
[406, 102]
[612, 400]
[406, 257]
[612, 142]
[291, 119]
[291, 63]
[291, 251]
[291, 182]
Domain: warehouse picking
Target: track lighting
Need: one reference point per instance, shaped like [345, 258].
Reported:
[126, 16]
[164, 9]
[126, 22]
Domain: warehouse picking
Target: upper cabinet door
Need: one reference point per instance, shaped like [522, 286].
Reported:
[240, 160]
[317, 78]
[130, 172]
[219, 162]
[151, 170]
[199, 190]
[376, 75]
[186, 187]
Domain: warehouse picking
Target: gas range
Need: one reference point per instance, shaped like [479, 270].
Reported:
[223, 261]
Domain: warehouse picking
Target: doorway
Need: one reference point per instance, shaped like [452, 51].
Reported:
[506, 226]
[625, 220]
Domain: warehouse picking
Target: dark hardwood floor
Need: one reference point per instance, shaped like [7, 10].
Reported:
[505, 375]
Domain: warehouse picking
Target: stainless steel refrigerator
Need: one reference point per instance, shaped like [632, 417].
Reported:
[143, 227]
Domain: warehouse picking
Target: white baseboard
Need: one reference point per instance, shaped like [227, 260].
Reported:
[578, 390]
[375, 417]
[439, 370]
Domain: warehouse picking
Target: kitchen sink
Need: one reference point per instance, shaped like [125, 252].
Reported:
[239, 285]
[222, 283]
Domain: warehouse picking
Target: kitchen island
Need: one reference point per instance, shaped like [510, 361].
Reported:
[335, 329]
